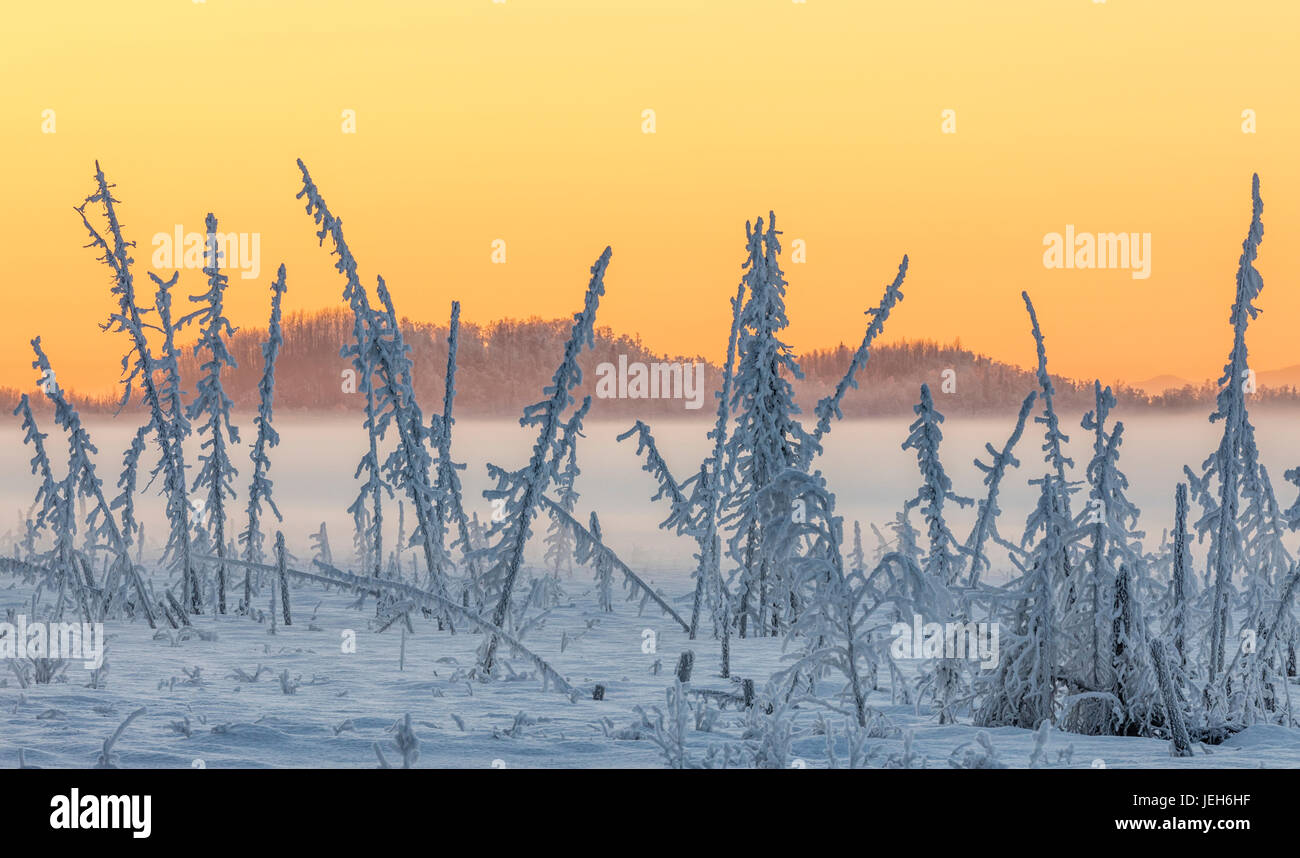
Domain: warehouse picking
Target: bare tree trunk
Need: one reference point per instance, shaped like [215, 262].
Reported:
[726, 651]
[221, 575]
[178, 608]
[745, 582]
[1182, 743]
[699, 597]
[685, 664]
[284, 579]
[1180, 574]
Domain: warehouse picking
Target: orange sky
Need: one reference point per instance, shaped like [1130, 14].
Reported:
[522, 121]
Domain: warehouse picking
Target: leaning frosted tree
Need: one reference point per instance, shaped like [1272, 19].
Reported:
[45, 512]
[988, 511]
[410, 465]
[102, 528]
[695, 503]
[521, 492]
[1022, 691]
[54, 509]
[157, 378]
[384, 373]
[367, 510]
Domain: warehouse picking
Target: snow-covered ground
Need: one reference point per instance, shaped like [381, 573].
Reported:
[346, 702]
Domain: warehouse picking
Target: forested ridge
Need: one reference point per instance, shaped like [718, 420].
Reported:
[501, 371]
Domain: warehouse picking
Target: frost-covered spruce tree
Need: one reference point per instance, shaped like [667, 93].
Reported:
[604, 571]
[1292, 512]
[1053, 437]
[1228, 465]
[708, 494]
[320, 544]
[768, 437]
[901, 572]
[561, 544]
[988, 511]
[1136, 689]
[185, 539]
[943, 557]
[1262, 693]
[559, 538]
[695, 502]
[546, 591]
[45, 506]
[835, 627]
[127, 481]
[282, 579]
[449, 503]
[1180, 741]
[1264, 688]
[53, 510]
[1054, 440]
[69, 579]
[211, 405]
[368, 522]
[259, 488]
[1098, 659]
[857, 557]
[1021, 691]
[101, 525]
[1266, 557]
[523, 490]
[161, 400]
[1181, 582]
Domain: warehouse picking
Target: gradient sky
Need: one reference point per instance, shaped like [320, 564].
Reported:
[523, 121]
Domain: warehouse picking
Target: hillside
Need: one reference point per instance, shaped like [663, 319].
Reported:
[505, 365]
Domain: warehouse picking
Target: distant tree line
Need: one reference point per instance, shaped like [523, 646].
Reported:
[500, 371]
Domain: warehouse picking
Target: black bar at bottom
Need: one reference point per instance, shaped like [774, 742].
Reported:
[337, 808]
